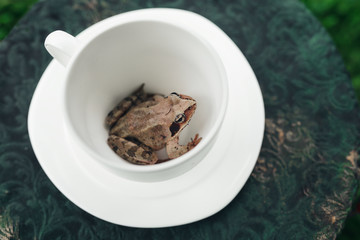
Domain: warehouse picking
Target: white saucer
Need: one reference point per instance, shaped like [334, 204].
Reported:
[197, 194]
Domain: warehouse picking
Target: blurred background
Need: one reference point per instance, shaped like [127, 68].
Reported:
[341, 18]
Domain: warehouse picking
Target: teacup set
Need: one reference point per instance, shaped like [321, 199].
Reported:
[168, 50]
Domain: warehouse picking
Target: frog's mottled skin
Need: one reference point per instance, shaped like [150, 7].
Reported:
[142, 124]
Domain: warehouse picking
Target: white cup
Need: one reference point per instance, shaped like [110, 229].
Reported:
[122, 53]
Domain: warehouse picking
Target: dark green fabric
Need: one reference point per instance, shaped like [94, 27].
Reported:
[303, 184]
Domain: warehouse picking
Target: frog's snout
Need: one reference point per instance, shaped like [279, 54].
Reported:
[182, 96]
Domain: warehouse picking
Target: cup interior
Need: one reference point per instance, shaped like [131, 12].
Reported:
[165, 57]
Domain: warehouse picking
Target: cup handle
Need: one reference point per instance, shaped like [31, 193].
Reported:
[61, 46]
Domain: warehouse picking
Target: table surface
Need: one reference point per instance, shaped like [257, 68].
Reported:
[303, 184]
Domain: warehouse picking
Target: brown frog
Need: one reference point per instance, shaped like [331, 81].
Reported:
[144, 123]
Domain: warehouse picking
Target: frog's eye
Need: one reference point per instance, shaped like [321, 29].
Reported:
[180, 118]
[175, 94]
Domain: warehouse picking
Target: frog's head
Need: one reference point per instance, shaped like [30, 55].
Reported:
[184, 108]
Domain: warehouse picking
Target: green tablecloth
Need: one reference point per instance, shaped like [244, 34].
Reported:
[304, 182]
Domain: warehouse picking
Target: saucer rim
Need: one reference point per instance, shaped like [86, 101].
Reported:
[237, 184]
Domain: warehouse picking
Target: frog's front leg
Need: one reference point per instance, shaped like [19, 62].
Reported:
[122, 107]
[132, 151]
[174, 149]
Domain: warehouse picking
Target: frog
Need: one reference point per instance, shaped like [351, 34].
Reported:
[142, 124]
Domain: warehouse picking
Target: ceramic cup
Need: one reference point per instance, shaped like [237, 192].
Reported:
[122, 53]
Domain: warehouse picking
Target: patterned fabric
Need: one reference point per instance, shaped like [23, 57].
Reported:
[305, 179]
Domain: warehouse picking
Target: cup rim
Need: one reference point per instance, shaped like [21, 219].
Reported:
[147, 18]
